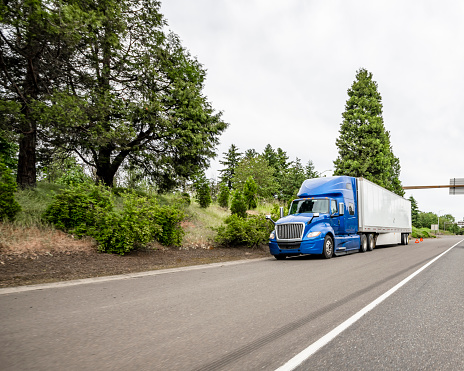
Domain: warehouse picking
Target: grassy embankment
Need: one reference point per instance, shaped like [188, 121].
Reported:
[29, 233]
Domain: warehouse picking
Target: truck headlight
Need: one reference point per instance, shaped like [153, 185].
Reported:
[272, 235]
[313, 234]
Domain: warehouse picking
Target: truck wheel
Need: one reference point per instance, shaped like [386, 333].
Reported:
[405, 238]
[328, 249]
[363, 247]
[370, 241]
[280, 256]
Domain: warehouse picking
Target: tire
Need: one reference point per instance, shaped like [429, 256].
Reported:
[280, 256]
[405, 238]
[328, 248]
[363, 247]
[370, 242]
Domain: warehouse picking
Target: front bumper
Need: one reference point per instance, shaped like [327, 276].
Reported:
[309, 246]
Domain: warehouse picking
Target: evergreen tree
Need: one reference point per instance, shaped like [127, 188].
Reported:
[271, 156]
[231, 159]
[414, 212]
[224, 195]
[250, 193]
[364, 148]
[250, 153]
[203, 191]
[310, 171]
[238, 205]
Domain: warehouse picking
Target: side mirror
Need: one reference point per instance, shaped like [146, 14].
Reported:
[268, 217]
[341, 208]
[315, 215]
[281, 212]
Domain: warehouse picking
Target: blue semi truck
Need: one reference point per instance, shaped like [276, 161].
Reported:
[339, 215]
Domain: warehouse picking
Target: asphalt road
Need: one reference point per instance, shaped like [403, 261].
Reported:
[248, 316]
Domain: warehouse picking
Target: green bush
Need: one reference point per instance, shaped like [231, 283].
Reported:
[182, 200]
[224, 195]
[238, 205]
[250, 193]
[9, 207]
[422, 233]
[73, 175]
[90, 210]
[251, 231]
[169, 219]
[75, 209]
[140, 221]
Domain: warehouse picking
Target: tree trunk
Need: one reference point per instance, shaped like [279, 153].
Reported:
[26, 176]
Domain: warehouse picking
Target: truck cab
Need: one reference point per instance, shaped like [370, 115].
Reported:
[322, 220]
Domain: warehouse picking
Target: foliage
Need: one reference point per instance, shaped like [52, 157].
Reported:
[238, 206]
[422, 233]
[9, 207]
[203, 191]
[33, 49]
[74, 57]
[263, 175]
[277, 159]
[224, 195]
[231, 159]
[292, 179]
[8, 150]
[183, 199]
[275, 211]
[425, 220]
[140, 221]
[86, 209]
[364, 148]
[250, 191]
[414, 211]
[75, 210]
[251, 231]
[311, 171]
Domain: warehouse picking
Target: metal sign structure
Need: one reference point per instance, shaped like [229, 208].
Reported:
[456, 186]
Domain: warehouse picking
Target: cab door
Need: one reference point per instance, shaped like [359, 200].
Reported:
[335, 219]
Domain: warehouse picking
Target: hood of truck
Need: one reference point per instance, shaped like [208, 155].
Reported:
[299, 218]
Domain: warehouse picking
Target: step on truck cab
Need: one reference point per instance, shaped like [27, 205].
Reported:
[339, 215]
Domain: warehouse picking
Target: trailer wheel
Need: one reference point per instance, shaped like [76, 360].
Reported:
[280, 256]
[328, 249]
[370, 241]
[363, 247]
[405, 238]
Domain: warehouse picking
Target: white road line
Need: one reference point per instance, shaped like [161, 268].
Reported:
[314, 347]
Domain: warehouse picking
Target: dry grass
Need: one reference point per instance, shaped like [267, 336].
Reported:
[199, 225]
[16, 240]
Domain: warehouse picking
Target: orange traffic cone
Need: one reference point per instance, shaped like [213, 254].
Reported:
[417, 241]
[421, 239]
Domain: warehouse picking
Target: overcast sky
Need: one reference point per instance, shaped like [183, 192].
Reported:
[280, 71]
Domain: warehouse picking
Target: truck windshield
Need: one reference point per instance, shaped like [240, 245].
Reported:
[309, 206]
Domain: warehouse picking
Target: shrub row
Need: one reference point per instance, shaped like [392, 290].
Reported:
[87, 209]
[422, 233]
[251, 231]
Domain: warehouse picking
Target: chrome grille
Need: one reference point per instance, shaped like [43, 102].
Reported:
[289, 231]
